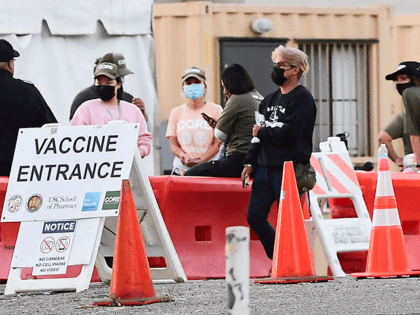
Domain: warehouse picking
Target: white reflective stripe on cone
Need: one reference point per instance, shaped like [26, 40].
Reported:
[385, 217]
[384, 185]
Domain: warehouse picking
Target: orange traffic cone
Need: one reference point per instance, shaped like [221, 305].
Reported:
[387, 254]
[305, 207]
[131, 282]
[292, 257]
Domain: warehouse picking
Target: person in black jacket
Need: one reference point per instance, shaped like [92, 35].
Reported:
[21, 106]
[285, 134]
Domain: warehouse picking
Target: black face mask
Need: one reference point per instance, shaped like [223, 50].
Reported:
[105, 92]
[402, 86]
[278, 76]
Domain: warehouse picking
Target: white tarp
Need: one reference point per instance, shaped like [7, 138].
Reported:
[59, 42]
[76, 17]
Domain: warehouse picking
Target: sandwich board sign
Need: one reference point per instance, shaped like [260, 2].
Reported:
[156, 237]
[63, 183]
[69, 172]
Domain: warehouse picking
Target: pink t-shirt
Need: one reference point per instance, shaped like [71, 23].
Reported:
[93, 112]
[191, 130]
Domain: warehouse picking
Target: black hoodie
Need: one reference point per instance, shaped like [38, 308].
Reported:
[287, 134]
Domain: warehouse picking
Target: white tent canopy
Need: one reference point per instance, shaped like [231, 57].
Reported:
[59, 41]
[76, 17]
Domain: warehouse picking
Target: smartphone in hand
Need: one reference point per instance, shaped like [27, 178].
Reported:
[245, 182]
[211, 121]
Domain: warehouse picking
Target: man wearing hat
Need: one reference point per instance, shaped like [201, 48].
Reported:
[407, 79]
[89, 93]
[21, 106]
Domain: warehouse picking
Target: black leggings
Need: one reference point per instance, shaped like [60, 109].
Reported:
[265, 190]
[230, 166]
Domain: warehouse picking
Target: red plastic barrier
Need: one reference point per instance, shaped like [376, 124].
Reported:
[197, 211]
[407, 194]
[8, 236]
[342, 208]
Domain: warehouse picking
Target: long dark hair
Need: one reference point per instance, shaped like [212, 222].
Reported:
[237, 80]
[120, 91]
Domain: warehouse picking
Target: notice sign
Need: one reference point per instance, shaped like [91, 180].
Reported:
[54, 248]
[50, 247]
[69, 173]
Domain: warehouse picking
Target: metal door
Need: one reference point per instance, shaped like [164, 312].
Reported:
[254, 54]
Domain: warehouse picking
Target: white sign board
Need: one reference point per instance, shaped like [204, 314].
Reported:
[69, 172]
[46, 246]
[55, 243]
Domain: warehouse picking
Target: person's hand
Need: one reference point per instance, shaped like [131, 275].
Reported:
[142, 153]
[211, 121]
[255, 130]
[183, 158]
[140, 104]
[193, 162]
[246, 172]
[189, 161]
[399, 161]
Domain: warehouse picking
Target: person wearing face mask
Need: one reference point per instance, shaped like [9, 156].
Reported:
[286, 135]
[407, 79]
[89, 93]
[234, 127]
[191, 138]
[109, 106]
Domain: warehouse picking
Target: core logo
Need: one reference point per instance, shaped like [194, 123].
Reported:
[34, 203]
[194, 70]
[111, 200]
[105, 66]
[121, 62]
[14, 203]
[91, 201]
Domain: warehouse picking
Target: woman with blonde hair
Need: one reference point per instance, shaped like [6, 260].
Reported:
[286, 135]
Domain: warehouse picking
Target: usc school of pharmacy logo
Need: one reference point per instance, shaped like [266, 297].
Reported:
[14, 203]
[34, 203]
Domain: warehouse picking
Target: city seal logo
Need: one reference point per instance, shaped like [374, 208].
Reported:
[34, 203]
[14, 203]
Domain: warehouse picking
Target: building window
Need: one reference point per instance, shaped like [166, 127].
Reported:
[339, 81]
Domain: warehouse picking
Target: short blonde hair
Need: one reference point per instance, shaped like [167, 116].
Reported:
[294, 57]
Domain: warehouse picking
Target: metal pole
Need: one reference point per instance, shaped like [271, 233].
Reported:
[237, 269]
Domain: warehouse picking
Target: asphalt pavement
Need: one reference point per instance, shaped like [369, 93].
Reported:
[340, 296]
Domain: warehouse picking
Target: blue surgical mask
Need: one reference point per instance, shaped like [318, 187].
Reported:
[194, 91]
